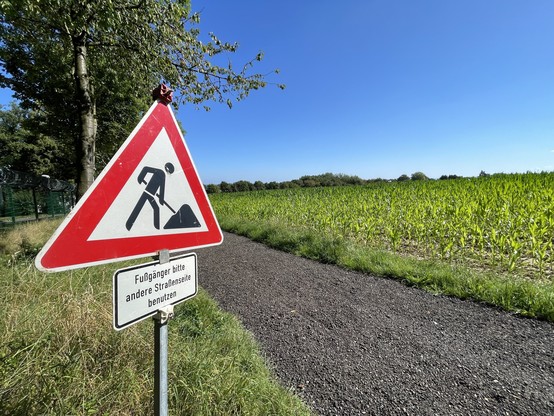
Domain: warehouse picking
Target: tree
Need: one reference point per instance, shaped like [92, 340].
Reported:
[14, 137]
[25, 151]
[419, 176]
[288, 185]
[242, 186]
[403, 178]
[59, 56]
[225, 187]
[212, 189]
[259, 186]
[444, 177]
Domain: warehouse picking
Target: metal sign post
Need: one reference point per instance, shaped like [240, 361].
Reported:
[160, 351]
[153, 289]
[160, 360]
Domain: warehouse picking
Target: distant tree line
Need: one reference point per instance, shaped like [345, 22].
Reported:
[311, 181]
[308, 181]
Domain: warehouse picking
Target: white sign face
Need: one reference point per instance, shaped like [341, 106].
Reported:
[140, 291]
[162, 194]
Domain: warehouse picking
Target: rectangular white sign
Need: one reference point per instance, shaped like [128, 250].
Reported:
[139, 291]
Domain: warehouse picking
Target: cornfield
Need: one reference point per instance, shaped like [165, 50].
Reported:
[503, 222]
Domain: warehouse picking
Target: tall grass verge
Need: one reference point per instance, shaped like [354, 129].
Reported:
[523, 296]
[60, 355]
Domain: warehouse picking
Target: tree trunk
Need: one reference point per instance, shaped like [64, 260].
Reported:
[87, 110]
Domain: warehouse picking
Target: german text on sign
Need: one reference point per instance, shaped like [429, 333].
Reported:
[140, 291]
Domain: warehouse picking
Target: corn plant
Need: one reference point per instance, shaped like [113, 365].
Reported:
[504, 222]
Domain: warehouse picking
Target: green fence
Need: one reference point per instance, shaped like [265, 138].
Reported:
[27, 197]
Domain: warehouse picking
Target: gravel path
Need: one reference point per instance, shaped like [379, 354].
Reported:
[350, 343]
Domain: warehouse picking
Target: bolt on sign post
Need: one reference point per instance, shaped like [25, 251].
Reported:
[148, 201]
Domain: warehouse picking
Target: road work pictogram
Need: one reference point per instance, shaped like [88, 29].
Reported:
[154, 194]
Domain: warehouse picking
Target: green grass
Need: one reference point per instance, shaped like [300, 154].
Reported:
[523, 296]
[60, 355]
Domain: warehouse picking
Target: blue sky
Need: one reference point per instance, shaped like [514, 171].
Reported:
[378, 88]
[381, 88]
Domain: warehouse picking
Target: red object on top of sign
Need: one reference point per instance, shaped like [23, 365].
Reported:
[148, 198]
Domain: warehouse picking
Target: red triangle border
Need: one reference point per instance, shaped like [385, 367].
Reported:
[69, 248]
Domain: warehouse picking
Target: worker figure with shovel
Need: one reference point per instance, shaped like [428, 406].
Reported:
[155, 187]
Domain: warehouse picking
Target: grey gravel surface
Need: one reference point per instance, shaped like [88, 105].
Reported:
[349, 343]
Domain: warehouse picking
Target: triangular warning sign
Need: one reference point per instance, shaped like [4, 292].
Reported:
[148, 198]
